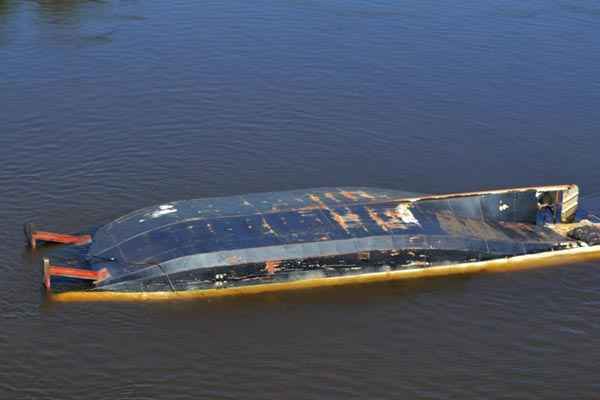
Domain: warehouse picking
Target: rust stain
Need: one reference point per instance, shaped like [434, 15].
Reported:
[346, 221]
[393, 221]
[340, 220]
[352, 218]
[378, 220]
[272, 266]
[307, 209]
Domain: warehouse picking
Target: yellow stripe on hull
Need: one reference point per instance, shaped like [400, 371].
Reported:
[546, 259]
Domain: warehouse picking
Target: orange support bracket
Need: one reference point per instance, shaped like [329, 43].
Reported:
[70, 272]
[33, 236]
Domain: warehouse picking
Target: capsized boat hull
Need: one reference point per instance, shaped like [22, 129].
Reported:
[322, 237]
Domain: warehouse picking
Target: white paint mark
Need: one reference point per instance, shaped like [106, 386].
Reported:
[503, 207]
[163, 210]
[141, 220]
[405, 215]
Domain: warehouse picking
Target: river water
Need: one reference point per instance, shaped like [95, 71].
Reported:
[107, 106]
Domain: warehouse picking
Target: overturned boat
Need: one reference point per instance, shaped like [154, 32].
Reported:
[319, 237]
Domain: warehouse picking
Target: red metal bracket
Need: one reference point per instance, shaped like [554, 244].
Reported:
[70, 272]
[33, 236]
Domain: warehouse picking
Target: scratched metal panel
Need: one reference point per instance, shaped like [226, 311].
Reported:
[228, 232]
[294, 227]
[250, 231]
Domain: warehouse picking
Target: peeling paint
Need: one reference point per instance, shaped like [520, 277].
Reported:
[349, 195]
[347, 220]
[403, 212]
[267, 227]
[163, 210]
[377, 219]
[366, 195]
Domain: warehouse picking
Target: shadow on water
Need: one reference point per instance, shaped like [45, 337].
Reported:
[579, 8]
[60, 11]
[81, 23]
[7, 9]
[65, 7]
[515, 12]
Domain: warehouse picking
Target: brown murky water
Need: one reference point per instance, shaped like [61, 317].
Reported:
[108, 106]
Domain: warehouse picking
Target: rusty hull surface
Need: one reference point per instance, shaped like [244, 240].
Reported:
[231, 242]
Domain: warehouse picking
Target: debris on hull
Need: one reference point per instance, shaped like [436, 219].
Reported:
[319, 237]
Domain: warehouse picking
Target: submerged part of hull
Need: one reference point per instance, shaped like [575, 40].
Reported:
[547, 259]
